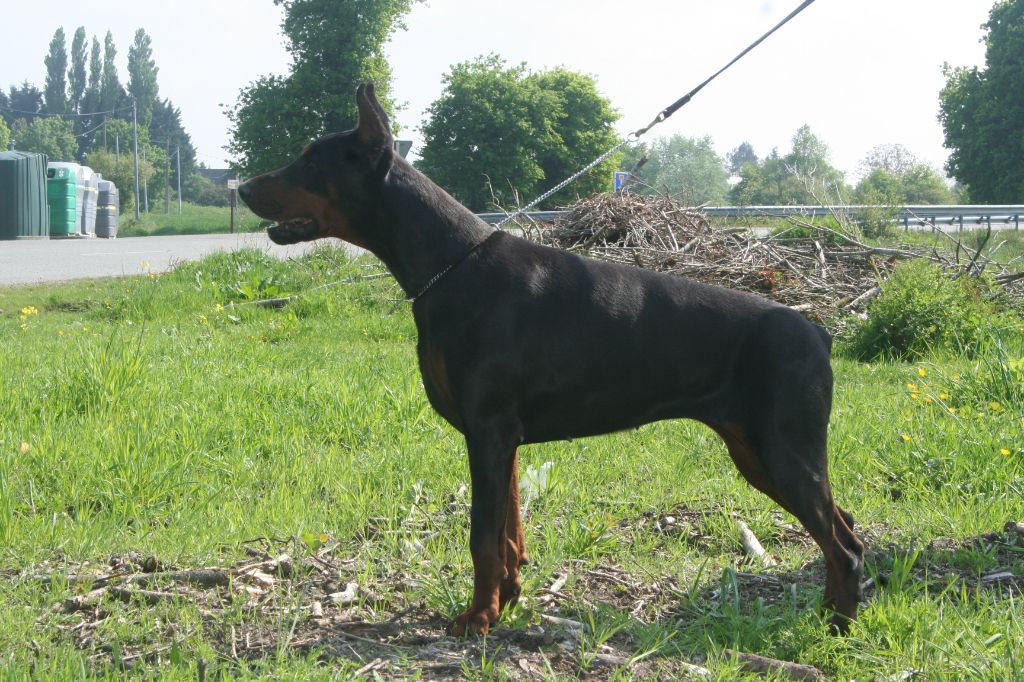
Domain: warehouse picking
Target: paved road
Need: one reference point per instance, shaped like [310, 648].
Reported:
[30, 261]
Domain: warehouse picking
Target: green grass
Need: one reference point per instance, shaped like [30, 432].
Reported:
[193, 219]
[149, 415]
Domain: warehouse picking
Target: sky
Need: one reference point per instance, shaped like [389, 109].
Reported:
[861, 73]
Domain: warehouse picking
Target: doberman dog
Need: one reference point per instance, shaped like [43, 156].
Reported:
[521, 343]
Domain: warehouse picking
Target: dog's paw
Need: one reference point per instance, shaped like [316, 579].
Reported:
[472, 622]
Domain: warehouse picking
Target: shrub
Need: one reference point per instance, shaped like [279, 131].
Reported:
[921, 309]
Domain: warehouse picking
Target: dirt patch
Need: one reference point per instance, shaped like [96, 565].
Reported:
[584, 623]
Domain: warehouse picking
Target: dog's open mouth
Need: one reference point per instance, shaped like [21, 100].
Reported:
[294, 231]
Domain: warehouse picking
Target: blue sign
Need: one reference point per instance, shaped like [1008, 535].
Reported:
[621, 178]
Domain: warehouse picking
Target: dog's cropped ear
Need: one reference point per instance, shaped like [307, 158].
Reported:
[374, 129]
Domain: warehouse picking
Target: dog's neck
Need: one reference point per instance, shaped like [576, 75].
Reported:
[420, 230]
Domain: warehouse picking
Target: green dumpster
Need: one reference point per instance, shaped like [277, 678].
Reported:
[23, 210]
[62, 198]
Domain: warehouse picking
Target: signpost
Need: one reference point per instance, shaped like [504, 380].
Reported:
[233, 189]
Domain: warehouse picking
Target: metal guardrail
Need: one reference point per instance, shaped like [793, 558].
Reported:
[916, 216]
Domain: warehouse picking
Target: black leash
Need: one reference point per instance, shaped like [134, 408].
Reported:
[664, 114]
[682, 101]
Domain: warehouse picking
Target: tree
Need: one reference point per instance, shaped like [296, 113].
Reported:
[740, 157]
[55, 90]
[52, 136]
[76, 71]
[687, 168]
[982, 112]
[121, 171]
[581, 123]
[334, 45]
[142, 72]
[26, 99]
[895, 177]
[894, 158]
[499, 130]
[95, 85]
[922, 184]
[5, 135]
[167, 128]
[804, 176]
[111, 92]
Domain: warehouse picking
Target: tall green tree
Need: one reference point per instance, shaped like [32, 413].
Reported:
[77, 71]
[51, 135]
[111, 92]
[166, 126]
[91, 100]
[581, 130]
[803, 176]
[982, 112]
[142, 73]
[500, 134]
[25, 99]
[740, 157]
[5, 135]
[55, 91]
[687, 168]
[5, 105]
[334, 45]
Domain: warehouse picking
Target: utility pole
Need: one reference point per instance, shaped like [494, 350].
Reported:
[135, 141]
[167, 185]
[177, 156]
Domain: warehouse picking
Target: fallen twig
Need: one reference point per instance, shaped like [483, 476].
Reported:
[760, 664]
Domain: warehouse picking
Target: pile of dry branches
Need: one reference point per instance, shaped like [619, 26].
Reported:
[816, 270]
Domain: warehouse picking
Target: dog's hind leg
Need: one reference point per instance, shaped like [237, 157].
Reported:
[795, 475]
[492, 456]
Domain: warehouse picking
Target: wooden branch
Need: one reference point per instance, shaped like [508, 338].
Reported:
[753, 663]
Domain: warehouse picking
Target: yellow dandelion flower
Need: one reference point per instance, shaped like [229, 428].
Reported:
[24, 326]
[905, 437]
[921, 372]
[911, 387]
[29, 310]
[203, 319]
[218, 307]
[927, 398]
[994, 406]
[60, 332]
[25, 447]
[943, 396]
[324, 537]
[1004, 452]
[915, 396]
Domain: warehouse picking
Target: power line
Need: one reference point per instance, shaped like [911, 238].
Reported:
[48, 115]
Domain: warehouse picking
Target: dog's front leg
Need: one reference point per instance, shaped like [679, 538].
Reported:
[491, 461]
[515, 543]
